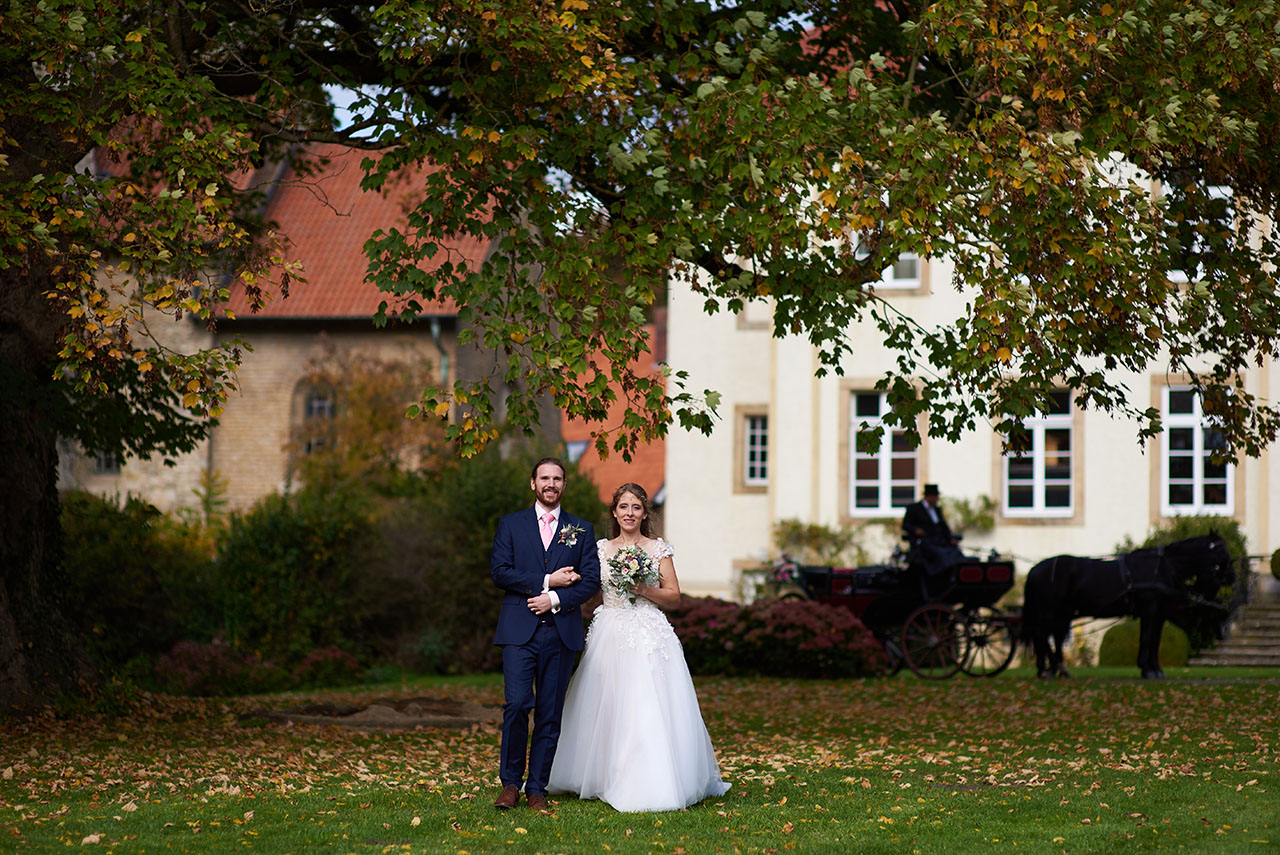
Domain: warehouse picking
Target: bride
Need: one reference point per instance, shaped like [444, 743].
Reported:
[632, 733]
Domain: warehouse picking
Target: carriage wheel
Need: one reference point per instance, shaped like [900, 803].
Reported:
[990, 643]
[933, 641]
[891, 651]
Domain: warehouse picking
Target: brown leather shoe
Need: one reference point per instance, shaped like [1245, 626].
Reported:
[507, 799]
[536, 801]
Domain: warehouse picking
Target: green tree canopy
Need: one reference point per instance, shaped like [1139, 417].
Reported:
[760, 143]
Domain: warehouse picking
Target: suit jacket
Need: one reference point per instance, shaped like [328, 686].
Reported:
[917, 516]
[518, 564]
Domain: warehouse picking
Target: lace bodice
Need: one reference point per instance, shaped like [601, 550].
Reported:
[657, 550]
[640, 625]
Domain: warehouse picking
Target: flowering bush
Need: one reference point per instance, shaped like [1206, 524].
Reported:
[788, 638]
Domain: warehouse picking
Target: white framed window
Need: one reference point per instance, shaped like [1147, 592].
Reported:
[1038, 470]
[755, 450]
[1191, 481]
[903, 274]
[106, 464]
[1197, 245]
[881, 482]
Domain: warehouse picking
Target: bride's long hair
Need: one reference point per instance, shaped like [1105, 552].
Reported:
[646, 524]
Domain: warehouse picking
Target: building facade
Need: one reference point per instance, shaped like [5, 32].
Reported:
[785, 450]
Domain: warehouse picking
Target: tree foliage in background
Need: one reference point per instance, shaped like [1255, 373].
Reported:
[793, 150]
[749, 147]
[813, 543]
[367, 438]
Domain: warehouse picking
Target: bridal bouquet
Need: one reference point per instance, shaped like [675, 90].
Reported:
[629, 566]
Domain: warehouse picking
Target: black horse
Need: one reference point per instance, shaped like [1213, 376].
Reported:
[1141, 584]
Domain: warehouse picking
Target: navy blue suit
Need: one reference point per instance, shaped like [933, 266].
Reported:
[538, 650]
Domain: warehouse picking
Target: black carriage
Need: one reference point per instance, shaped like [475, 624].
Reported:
[934, 620]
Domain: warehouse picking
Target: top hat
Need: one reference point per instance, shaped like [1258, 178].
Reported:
[931, 489]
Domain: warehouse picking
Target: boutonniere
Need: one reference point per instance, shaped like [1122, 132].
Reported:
[569, 534]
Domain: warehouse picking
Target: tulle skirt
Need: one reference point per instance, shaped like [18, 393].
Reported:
[632, 734]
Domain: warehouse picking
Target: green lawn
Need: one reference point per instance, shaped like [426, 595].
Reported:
[1100, 763]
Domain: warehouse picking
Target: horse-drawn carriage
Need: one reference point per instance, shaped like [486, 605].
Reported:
[938, 620]
[934, 620]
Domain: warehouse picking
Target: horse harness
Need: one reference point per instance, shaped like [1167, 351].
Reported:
[1127, 584]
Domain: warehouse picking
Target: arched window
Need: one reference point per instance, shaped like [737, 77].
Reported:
[314, 414]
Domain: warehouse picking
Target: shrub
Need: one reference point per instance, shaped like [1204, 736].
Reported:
[704, 626]
[326, 666]
[217, 668]
[424, 594]
[287, 568]
[1120, 645]
[137, 581]
[788, 638]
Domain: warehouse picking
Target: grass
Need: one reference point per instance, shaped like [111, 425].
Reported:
[1096, 764]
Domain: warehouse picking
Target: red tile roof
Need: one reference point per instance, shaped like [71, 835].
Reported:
[325, 219]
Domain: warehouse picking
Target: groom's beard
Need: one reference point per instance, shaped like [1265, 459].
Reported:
[550, 497]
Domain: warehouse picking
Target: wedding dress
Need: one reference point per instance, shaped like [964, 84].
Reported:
[632, 734]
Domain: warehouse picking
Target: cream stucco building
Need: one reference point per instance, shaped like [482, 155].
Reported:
[784, 450]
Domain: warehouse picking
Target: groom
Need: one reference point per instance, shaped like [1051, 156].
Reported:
[546, 564]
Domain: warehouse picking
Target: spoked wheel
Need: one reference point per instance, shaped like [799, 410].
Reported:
[933, 642]
[990, 643]
[891, 651]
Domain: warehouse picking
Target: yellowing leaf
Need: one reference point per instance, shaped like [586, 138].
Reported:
[476, 156]
[130, 237]
[135, 36]
[1004, 354]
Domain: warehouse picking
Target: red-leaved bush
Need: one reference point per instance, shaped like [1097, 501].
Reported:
[782, 638]
[326, 666]
[216, 668]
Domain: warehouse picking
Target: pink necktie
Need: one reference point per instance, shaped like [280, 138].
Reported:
[548, 528]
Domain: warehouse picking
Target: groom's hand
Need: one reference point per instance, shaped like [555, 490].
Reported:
[562, 578]
[540, 604]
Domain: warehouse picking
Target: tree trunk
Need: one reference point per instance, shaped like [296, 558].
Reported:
[40, 658]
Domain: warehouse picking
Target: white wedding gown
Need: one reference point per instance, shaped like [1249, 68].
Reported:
[632, 734]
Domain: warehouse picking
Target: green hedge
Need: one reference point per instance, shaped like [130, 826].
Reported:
[1120, 645]
[302, 585]
[1203, 625]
